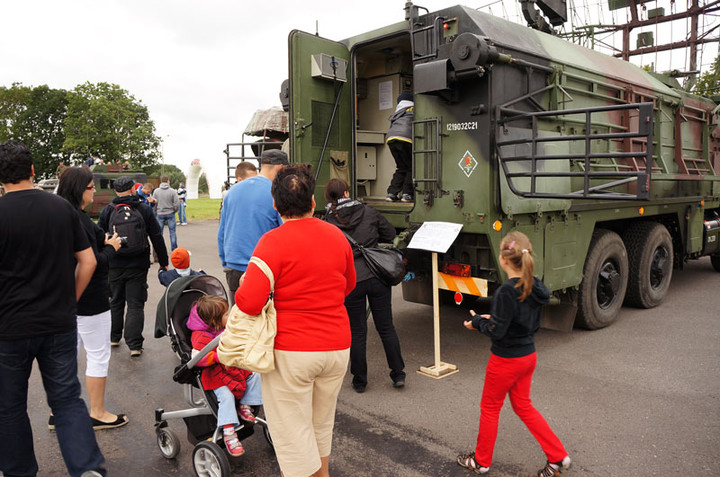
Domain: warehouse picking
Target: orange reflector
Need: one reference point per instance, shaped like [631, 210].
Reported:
[702, 203]
[497, 226]
[641, 210]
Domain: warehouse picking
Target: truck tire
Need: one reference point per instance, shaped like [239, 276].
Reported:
[650, 256]
[715, 260]
[604, 283]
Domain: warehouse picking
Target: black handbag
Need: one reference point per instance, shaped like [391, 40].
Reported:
[386, 264]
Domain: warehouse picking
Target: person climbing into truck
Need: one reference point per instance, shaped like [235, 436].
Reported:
[399, 140]
[515, 318]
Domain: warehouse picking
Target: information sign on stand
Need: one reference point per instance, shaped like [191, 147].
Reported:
[436, 237]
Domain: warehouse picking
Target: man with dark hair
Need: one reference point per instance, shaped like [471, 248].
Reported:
[129, 267]
[46, 262]
[246, 215]
[167, 204]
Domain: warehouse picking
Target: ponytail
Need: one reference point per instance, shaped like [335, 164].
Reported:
[516, 248]
[334, 191]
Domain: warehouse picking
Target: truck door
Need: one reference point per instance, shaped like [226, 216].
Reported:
[321, 122]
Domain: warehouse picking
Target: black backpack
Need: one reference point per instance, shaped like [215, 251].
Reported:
[129, 224]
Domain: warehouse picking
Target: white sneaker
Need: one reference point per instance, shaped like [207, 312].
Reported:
[552, 469]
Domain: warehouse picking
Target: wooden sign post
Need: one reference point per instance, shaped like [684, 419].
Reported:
[436, 237]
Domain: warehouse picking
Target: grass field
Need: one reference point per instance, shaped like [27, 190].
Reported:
[203, 208]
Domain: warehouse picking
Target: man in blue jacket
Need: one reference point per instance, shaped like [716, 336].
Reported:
[247, 214]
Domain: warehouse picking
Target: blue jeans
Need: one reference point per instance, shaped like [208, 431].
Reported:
[181, 213]
[227, 414]
[57, 359]
[170, 221]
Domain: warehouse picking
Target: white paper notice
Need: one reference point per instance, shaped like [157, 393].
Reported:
[385, 95]
[435, 236]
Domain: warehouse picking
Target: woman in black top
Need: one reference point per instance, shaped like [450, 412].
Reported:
[367, 227]
[76, 185]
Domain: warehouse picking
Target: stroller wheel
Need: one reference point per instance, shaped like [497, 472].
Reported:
[168, 443]
[209, 460]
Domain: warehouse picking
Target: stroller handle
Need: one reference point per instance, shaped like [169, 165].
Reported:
[201, 354]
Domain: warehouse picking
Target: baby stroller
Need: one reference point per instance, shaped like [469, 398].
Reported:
[209, 457]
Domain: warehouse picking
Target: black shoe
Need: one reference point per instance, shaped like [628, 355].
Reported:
[399, 383]
[359, 388]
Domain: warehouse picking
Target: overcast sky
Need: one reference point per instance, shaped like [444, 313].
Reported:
[201, 68]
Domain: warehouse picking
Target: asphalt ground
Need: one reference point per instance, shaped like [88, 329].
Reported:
[639, 398]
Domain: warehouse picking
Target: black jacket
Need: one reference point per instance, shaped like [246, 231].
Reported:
[94, 299]
[152, 228]
[365, 225]
[513, 323]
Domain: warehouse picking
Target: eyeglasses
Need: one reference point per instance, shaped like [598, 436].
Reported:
[90, 187]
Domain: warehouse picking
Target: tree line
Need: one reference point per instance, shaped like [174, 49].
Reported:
[70, 126]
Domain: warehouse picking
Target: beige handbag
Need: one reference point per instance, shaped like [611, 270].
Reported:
[248, 340]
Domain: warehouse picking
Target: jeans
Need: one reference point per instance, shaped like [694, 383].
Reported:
[170, 221]
[56, 355]
[227, 414]
[128, 285]
[379, 295]
[181, 213]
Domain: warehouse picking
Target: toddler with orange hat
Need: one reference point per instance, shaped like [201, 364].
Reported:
[180, 259]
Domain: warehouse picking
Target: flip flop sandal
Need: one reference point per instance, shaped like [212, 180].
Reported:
[119, 422]
[468, 461]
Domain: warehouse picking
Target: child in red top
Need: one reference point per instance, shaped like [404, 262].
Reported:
[207, 320]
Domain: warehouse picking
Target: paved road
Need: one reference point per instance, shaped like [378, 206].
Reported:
[640, 398]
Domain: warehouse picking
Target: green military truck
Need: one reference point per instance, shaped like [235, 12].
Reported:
[611, 171]
[104, 187]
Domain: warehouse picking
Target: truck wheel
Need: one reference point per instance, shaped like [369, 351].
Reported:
[715, 260]
[650, 256]
[605, 278]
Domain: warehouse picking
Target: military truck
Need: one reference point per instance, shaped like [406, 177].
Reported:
[610, 170]
[104, 186]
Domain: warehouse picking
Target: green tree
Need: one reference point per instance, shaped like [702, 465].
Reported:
[174, 173]
[709, 82]
[36, 117]
[105, 119]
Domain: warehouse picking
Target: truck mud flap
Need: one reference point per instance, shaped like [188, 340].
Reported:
[560, 317]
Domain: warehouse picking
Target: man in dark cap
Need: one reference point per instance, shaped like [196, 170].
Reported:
[399, 140]
[134, 221]
[247, 214]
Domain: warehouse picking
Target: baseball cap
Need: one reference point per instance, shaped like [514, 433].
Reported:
[180, 258]
[123, 183]
[274, 157]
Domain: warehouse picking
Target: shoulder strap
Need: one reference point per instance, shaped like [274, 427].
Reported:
[266, 270]
[352, 240]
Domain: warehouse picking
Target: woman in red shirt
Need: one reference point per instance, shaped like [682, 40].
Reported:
[313, 267]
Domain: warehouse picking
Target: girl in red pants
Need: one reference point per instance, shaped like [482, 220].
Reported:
[514, 320]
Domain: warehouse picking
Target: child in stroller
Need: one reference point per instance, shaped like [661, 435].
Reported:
[201, 418]
[207, 320]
